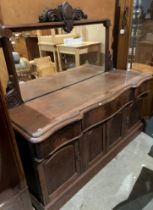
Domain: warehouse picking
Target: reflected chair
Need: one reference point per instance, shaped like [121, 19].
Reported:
[43, 67]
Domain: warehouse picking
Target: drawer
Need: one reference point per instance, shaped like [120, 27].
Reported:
[57, 140]
[142, 89]
[102, 112]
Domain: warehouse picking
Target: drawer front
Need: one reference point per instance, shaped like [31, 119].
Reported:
[57, 140]
[142, 89]
[103, 112]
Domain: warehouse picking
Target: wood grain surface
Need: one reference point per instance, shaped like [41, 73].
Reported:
[13, 190]
[65, 104]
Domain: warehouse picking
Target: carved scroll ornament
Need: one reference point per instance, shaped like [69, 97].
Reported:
[12, 96]
[64, 12]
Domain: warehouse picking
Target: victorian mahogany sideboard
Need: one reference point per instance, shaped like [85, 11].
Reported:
[14, 193]
[71, 124]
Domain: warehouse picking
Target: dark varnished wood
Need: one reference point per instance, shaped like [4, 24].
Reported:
[32, 47]
[64, 12]
[66, 160]
[69, 104]
[100, 113]
[13, 190]
[148, 105]
[58, 81]
[114, 129]
[35, 26]
[70, 125]
[13, 92]
[92, 147]
[68, 132]
[59, 139]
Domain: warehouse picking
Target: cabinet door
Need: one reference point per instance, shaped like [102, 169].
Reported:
[134, 113]
[61, 167]
[91, 146]
[114, 128]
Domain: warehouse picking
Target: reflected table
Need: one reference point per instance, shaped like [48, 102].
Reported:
[77, 50]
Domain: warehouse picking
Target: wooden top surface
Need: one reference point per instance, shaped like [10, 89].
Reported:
[39, 87]
[39, 118]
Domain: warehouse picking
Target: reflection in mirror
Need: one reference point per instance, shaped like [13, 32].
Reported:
[3, 72]
[42, 53]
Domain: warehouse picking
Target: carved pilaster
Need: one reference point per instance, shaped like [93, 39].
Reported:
[13, 95]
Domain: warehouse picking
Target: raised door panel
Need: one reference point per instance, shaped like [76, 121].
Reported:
[60, 168]
[114, 128]
[134, 113]
[91, 146]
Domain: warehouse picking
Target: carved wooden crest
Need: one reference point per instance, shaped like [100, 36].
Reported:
[64, 12]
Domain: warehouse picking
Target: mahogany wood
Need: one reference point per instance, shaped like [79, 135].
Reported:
[32, 47]
[70, 131]
[35, 26]
[71, 124]
[13, 190]
[148, 105]
[64, 12]
[123, 21]
[13, 91]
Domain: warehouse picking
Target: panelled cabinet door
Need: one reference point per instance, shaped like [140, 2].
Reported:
[134, 113]
[114, 128]
[91, 146]
[61, 167]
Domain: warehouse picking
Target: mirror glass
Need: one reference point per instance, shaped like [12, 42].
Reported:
[43, 53]
[41, 57]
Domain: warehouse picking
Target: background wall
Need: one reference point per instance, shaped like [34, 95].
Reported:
[0, 15]
[27, 11]
[19, 11]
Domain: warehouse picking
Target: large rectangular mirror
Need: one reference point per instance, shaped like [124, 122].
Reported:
[43, 50]
[42, 53]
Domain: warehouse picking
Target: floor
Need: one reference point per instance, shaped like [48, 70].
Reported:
[126, 183]
[149, 127]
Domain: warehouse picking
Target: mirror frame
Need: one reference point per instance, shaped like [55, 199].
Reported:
[13, 96]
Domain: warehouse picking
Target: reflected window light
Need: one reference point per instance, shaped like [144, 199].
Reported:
[13, 42]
